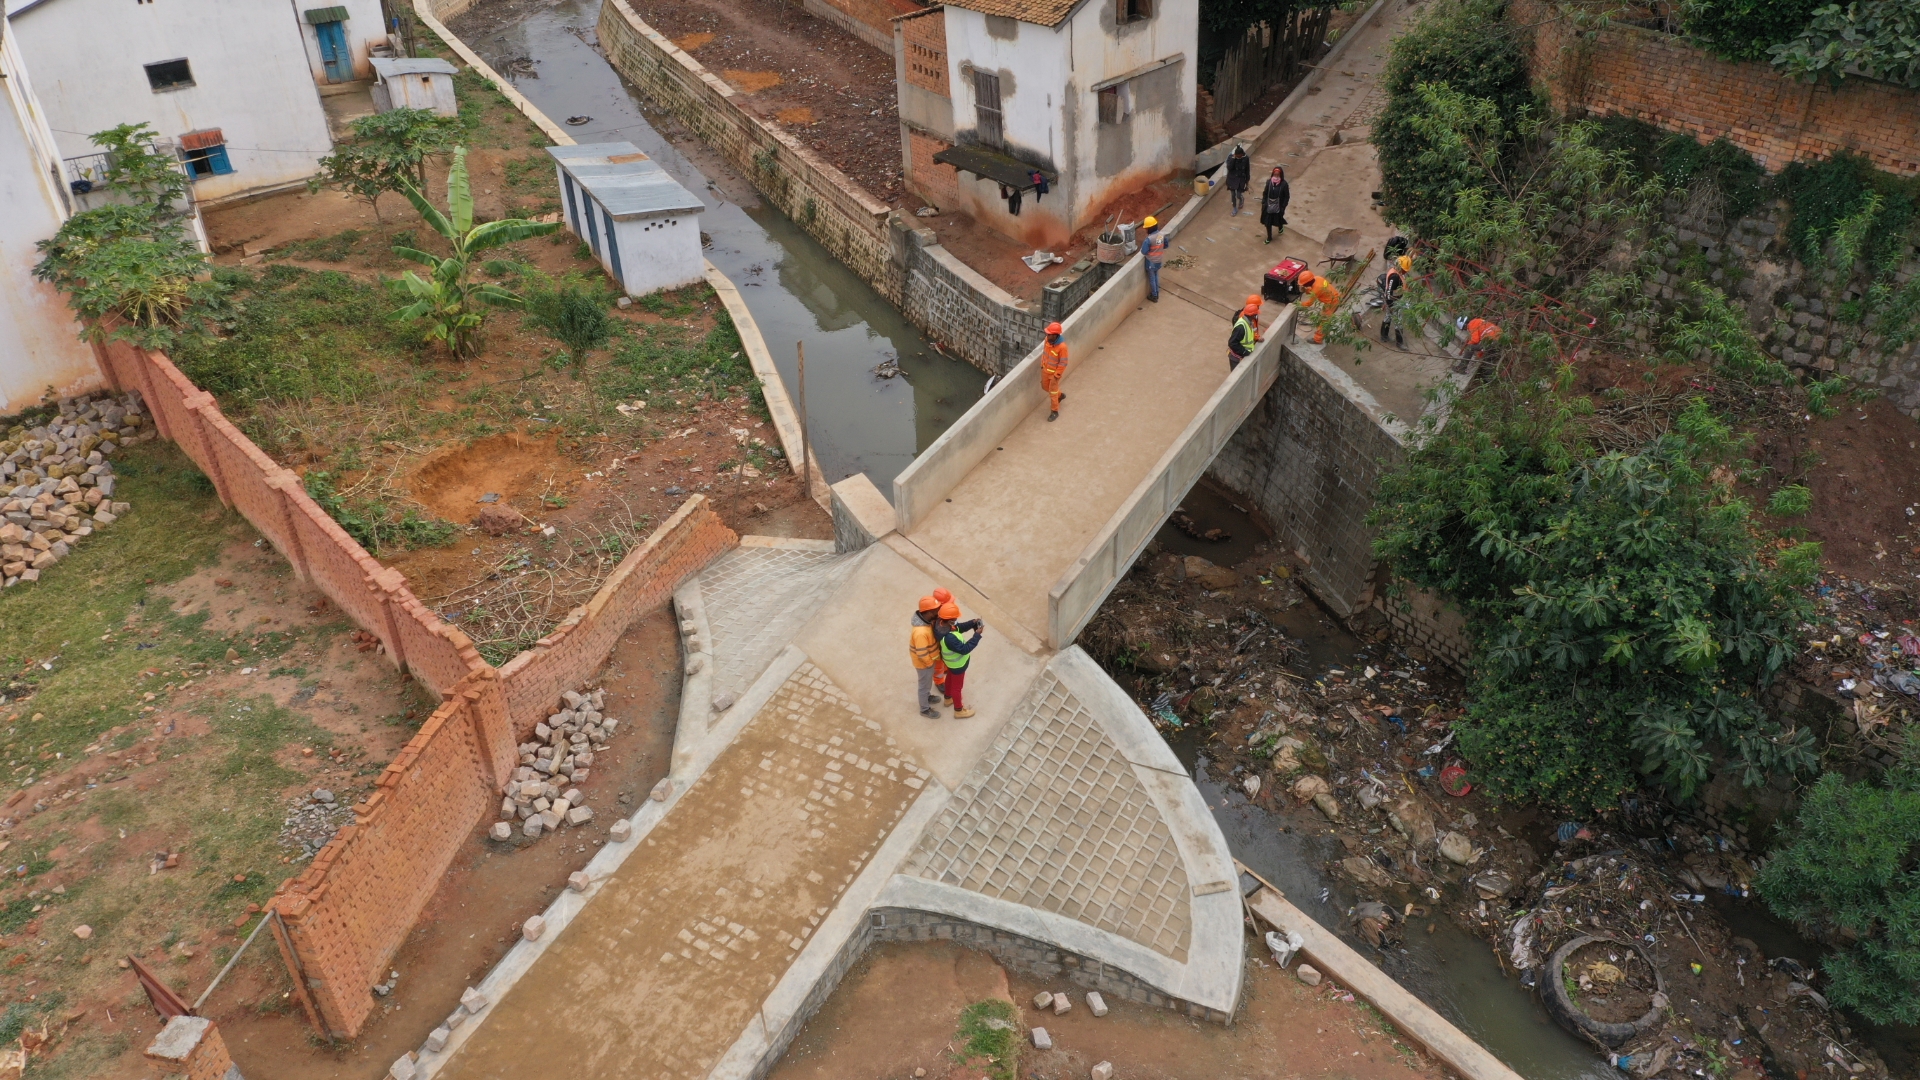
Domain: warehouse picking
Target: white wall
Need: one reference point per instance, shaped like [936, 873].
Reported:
[659, 253]
[364, 29]
[251, 79]
[1050, 112]
[40, 344]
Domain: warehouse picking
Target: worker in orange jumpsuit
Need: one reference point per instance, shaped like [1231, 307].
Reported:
[925, 653]
[1481, 335]
[1319, 291]
[1053, 365]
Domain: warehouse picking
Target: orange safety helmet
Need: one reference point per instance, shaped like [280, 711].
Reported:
[1307, 279]
[1253, 301]
[928, 603]
[1055, 329]
[950, 611]
[942, 595]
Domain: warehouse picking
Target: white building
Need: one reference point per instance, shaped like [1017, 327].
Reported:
[225, 82]
[40, 346]
[419, 82]
[1099, 96]
[641, 224]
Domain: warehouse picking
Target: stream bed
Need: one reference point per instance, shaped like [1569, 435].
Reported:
[799, 294]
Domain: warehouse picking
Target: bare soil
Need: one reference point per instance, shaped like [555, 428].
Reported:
[832, 90]
[895, 1013]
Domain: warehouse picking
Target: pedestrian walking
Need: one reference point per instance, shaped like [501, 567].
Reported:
[1053, 367]
[925, 651]
[956, 651]
[1239, 175]
[1273, 202]
[1245, 333]
[1155, 249]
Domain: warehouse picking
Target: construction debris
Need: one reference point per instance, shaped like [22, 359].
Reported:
[544, 793]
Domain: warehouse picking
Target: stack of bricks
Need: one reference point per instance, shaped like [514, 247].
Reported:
[1663, 80]
[191, 1047]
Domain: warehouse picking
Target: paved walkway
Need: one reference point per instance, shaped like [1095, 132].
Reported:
[814, 810]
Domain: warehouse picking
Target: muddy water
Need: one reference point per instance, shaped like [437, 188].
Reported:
[1449, 969]
[798, 293]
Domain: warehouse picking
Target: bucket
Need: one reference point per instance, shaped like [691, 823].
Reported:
[1202, 185]
[1126, 237]
[1107, 250]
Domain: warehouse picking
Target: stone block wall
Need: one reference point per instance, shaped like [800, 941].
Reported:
[1309, 458]
[1426, 621]
[969, 315]
[1662, 79]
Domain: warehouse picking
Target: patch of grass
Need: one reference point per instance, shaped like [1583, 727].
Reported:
[297, 334]
[688, 368]
[375, 524]
[104, 589]
[335, 248]
[989, 1038]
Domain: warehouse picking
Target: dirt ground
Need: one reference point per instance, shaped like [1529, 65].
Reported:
[895, 1014]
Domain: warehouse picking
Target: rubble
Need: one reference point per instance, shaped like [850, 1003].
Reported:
[57, 482]
[544, 792]
[311, 822]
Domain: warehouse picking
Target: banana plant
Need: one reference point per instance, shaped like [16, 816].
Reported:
[454, 307]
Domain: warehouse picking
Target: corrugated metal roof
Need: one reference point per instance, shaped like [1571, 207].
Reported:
[1041, 12]
[316, 16]
[625, 181]
[387, 67]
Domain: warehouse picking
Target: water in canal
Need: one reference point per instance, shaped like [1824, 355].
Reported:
[857, 421]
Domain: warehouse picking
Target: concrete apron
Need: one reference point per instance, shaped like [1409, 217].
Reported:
[816, 812]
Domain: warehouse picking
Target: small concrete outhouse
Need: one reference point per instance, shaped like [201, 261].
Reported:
[641, 224]
[414, 82]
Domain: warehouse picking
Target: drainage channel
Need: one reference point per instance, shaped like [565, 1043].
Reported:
[858, 421]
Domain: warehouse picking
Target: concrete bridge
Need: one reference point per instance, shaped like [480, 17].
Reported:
[814, 811]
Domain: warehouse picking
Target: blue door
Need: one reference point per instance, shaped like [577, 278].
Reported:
[613, 250]
[333, 51]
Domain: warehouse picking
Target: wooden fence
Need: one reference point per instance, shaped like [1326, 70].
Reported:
[1267, 56]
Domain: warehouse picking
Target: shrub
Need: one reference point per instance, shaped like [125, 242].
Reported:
[1879, 39]
[574, 313]
[1744, 29]
[375, 525]
[1451, 47]
[135, 264]
[1681, 162]
[1624, 617]
[1846, 867]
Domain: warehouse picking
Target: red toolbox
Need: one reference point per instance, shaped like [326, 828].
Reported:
[1283, 282]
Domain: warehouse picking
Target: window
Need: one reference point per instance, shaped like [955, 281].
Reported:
[205, 153]
[1110, 105]
[169, 74]
[986, 110]
[1126, 11]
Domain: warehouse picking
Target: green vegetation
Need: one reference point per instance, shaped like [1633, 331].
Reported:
[1744, 29]
[388, 149]
[1878, 39]
[989, 1038]
[574, 312]
[297, 334]
[666, 359]
[375, 524]
[1681, 163]
[453, 306]
[1846, 867]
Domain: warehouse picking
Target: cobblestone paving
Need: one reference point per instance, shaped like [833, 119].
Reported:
[659, 975]
[757, 599]
[1054, 818]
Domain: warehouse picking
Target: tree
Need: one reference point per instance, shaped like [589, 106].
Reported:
[455, 308]
[1744, 29]
[389, 148]
[576, 316]
[1880, 40]
[1847, 867]
[135, 168]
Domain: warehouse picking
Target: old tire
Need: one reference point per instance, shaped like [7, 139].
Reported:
[1605, 1035]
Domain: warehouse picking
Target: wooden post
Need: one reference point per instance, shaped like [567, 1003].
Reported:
[806, 459]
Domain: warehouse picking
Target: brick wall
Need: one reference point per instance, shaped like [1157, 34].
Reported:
[191, 1047]
[937, 183]
[926, 40]
[869, 20]
[1663, 80]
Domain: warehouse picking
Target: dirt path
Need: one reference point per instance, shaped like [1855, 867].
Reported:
[896, 1010]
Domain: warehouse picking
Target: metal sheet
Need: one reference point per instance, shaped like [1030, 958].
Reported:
[626, 182]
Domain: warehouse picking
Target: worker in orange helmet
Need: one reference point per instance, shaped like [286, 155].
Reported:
[1245, 333]
[956, 650]
[1053, 366]
[941, 598]
[1481, 335]
[925, 652]
[1322, 292]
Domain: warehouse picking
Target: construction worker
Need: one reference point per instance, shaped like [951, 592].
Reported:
[1053, 366]
[925, 652]
[1245, 333]
[1155, 249]
[941, 598]
[954, 650]
[1392, 284]
[1320, 291]
[1481, 335]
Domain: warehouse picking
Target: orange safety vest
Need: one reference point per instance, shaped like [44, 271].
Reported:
[923, 648]
[1053, 357]
[1481, 328]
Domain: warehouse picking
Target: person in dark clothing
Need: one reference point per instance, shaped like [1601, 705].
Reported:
[1239, 175]
[1273, 202]
[954, 651]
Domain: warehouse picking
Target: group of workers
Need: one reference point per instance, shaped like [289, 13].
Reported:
[941, 654]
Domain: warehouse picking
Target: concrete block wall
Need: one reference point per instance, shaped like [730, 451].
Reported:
[1308, 458]
[1426, 621]
[1662, 79]
[969, 315]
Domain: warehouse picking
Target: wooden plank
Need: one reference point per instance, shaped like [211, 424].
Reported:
[1408, 1013]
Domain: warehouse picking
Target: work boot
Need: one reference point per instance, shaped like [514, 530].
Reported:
[962, 714]
[1384, 327]
[929, 714]
[1063, 398]
[1399, 338]
[1155, 298]
[1052, 416]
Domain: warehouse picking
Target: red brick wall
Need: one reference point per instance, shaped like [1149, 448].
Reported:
[938, 184]
[870, 20]
[1661, 79]
[206, 1059]
[926, 40]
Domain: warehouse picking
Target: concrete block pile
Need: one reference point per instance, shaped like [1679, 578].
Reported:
[544, 794]
[56, 484]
